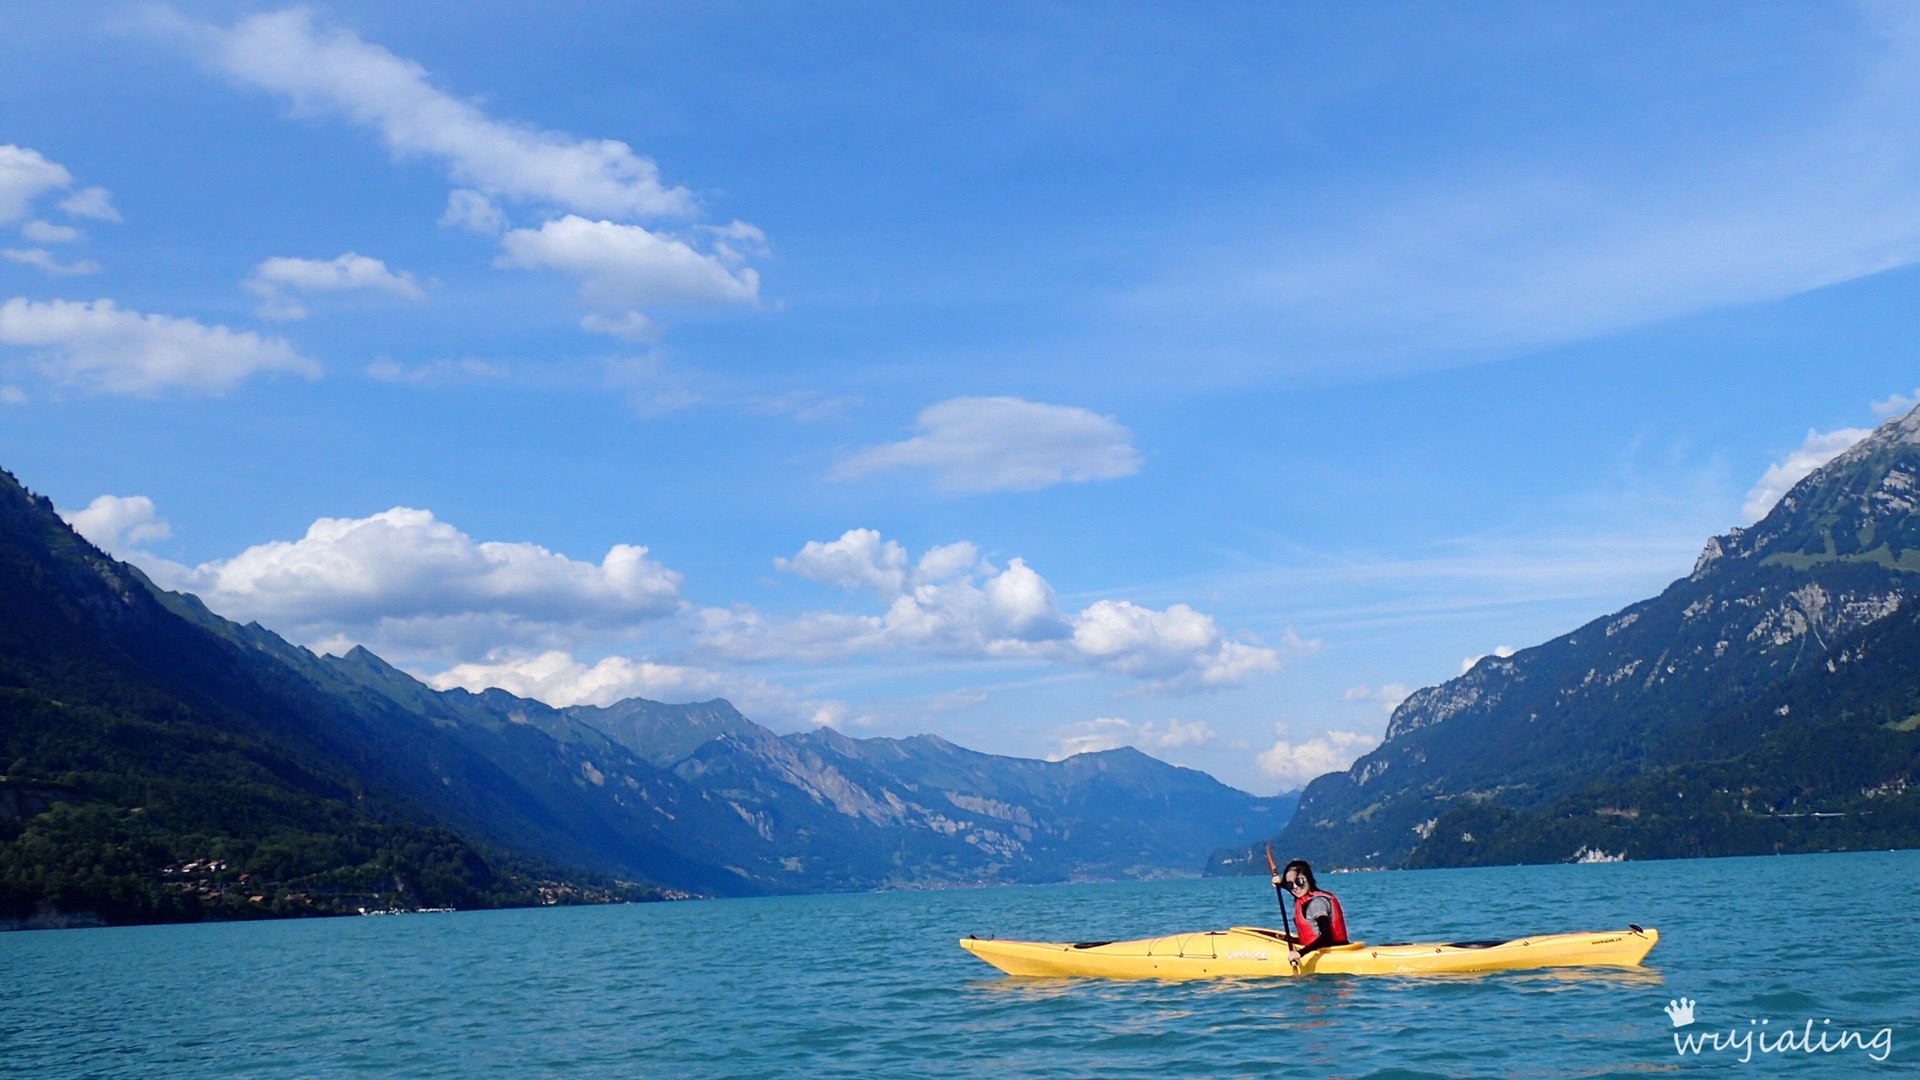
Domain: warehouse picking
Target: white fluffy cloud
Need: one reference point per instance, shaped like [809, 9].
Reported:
[590, 190]
[558, 679]
[24, 176]
[625, 266]
[860, 559]
[118, 526]
[954, 603]
[274, 279]
[98, 346]
[1896, 405]
[42, 260]
[1297, 763]
[1111, 733]
[403, 579]
[331, 71]
[1816, 450]
[1175, 647]
[974, 444]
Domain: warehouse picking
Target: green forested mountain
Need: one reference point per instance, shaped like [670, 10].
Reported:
[1825, 761]
[1696, 722]
[162, 763]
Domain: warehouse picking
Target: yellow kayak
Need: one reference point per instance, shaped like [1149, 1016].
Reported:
[1253, 951]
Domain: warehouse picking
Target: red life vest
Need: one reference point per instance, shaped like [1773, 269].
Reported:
[1308, 932]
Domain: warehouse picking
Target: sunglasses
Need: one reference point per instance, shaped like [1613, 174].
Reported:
[1296, 883]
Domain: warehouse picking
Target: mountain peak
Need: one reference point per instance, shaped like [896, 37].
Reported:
[663, 734]
[1858, 507]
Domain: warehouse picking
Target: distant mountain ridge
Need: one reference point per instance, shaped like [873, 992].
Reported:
[664, 734]
[1623, 698]
[922, 810]
[321, 782]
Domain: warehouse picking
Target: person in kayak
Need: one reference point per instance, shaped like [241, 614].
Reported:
[1317, 919]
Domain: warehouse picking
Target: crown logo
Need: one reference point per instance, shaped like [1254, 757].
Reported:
[1681, 1012]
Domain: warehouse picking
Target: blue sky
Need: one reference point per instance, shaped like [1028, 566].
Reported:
[1044, 377]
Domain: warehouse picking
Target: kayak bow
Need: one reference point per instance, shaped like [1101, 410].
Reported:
[1254, 951]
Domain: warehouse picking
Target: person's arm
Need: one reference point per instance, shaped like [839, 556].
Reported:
[1324, 924]
[1321, 914]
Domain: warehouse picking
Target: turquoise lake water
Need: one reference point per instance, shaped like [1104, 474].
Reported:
[874, 985]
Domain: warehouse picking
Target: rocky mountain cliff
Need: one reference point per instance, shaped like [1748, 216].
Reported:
[145, 740]
[1827, 760]
[1839, 554]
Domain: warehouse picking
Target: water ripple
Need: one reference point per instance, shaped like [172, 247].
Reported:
[873, 985]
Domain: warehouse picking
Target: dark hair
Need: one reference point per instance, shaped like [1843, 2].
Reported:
[1299, 868]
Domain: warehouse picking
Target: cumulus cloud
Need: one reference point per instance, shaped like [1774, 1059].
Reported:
[1111, 733]
[1297, 763]
[41, 259]
[626, 266]
[954, 603]
[119, 525]
[325, 71]
[860, 559]
[24, 176]
[275, 279]
[973, 444]
[1816, 450]
[100, 347]
[558, 679]
[406, 579]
